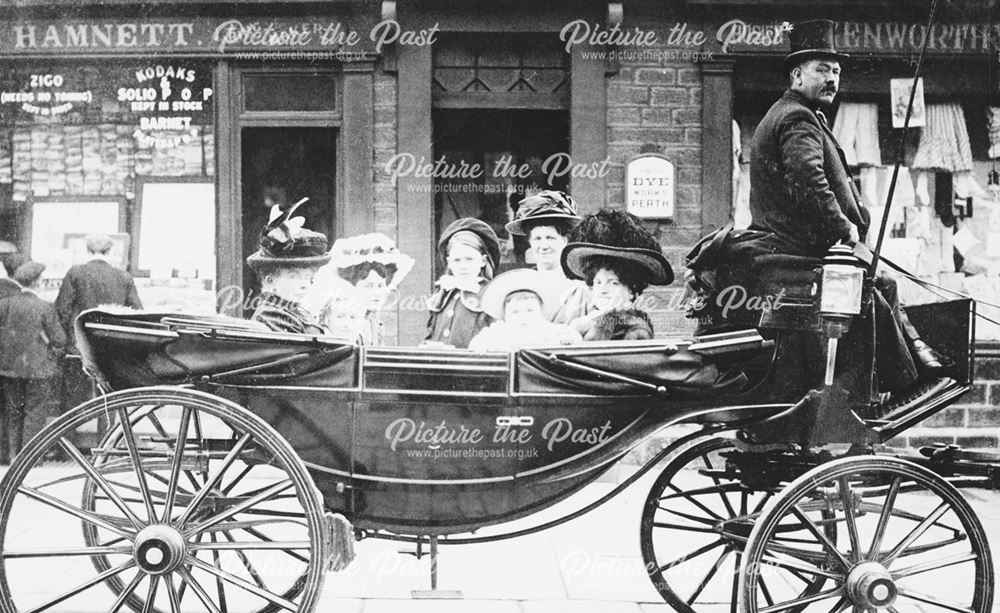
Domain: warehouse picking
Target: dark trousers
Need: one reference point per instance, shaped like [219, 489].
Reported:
[27, 406]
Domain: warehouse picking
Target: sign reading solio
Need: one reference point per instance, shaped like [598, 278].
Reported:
[649, 186]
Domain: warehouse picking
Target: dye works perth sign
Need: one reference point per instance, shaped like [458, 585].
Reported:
[194, 36]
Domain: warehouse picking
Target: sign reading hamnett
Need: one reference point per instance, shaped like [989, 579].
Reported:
[205, 36]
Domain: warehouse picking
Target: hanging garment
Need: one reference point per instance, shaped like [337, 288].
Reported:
[944, 141]
[856, 129]
[993, 121]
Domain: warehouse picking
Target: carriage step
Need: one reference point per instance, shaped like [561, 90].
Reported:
[886, 412]
[340, 542]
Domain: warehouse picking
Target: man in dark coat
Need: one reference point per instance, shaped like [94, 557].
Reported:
[94, 283]
[8, 286]
[802, 194]
[32, 342]
[87, 286]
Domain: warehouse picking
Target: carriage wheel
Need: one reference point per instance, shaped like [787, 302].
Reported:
[694, 527]
[908, 542]
[227, 520]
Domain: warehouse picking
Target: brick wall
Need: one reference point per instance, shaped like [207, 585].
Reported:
[974, 421]
[659, 101]
[385, 192]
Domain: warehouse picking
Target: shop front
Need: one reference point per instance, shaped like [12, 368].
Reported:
[167, 131]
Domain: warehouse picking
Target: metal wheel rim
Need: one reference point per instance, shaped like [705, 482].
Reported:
[230, 414]
[873, 543]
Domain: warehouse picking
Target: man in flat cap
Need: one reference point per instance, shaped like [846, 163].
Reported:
[33, 343]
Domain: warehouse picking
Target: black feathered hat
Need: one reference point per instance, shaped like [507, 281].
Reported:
[616, 234]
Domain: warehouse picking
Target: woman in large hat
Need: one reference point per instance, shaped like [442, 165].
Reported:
[617, 259]
[547, 218]
[286, 263]
[374, 266]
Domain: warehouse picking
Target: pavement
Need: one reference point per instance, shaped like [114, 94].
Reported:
[591, 564]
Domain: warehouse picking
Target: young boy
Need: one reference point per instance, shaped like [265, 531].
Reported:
[286, 262]
[515, 300]
[472, 251]
[343, 315]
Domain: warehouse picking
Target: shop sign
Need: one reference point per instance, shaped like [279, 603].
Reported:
[43, 96]
[204, 35]
[649, 186]
[164, 96]
[889, 37]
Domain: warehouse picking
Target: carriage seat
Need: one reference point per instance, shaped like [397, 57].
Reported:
[789, 284]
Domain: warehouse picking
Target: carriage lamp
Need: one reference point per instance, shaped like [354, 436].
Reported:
[840, 299]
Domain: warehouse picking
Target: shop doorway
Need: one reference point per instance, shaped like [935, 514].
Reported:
[290, 163]
[517, 153]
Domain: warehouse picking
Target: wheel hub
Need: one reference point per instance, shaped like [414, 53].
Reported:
[159, 549]
[870, 585]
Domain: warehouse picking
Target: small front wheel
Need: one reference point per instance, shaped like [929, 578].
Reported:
[906, 541]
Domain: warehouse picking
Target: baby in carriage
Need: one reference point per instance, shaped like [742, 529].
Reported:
[514, 299]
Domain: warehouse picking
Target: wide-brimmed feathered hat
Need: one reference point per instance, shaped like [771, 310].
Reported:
[811, 39]
[616, 234]
[284, 242]
[505, 284]
[544, 206]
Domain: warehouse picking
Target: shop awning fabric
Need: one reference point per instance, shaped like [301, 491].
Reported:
[944, 141]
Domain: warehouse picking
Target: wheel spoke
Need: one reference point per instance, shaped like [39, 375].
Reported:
[852, 527]
[128, 591]
[246, 504]
[211, 483]
[822, 538]
[735, 590]
[725, 501]
[253, 589]
[262, 546]
[263, 537]
[695, 502]
[793, 565]
[198, 590]
[154, 582]
[220, 588]
[175, 467]
[111, 572]
[766, 593]
[692, 555]
[236, 480]
[798, 602]
[660, 524]
[133, 452]
[246, 562]
[883, 519]
[944, 604]
[708, 577]
[700, 520]
[914, 534]
[153, 419]
[100, 481]
[175, 601]
[763, 501]
[842, 604]
[62, 506]
[916, 569]
[52, 553]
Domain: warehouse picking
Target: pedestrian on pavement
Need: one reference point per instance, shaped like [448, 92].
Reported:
[8, 286]
[32, 342]
[86, 286]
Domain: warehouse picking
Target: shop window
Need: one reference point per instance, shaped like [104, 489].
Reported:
[73, 134]
[289, 92]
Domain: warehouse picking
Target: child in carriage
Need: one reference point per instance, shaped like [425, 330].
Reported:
[471, 250]
[514, 299]
[286, 262]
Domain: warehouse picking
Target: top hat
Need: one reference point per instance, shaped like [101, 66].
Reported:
[480, 229]
[811, 39]
[545, 206]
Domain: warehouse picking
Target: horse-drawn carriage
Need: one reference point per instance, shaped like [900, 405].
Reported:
[241, 465]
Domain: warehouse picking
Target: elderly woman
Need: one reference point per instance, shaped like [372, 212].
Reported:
[617, 259]
[374, 266]
[547, 218]
[286, 263]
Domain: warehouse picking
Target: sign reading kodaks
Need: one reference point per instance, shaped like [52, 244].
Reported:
[169, 100]
[649, 186]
